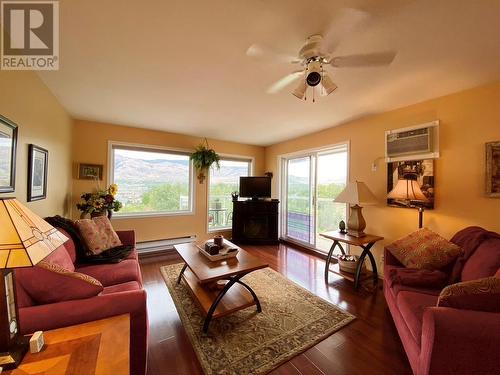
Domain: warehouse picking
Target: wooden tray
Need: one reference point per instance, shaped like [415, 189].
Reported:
[221, 255]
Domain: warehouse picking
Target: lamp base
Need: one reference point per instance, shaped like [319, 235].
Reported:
[355, 233]
[11, 359]
[356, 223]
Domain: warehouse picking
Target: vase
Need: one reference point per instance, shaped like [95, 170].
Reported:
[107, 213]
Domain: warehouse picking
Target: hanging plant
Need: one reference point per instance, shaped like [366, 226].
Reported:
[203, 158]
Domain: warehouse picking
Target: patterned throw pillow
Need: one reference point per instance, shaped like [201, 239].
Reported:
[98, 234]
[63, 271]
[424, 249]
[481, 294]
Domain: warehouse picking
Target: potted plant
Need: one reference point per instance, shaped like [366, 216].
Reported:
[100, 203]
[203, 158]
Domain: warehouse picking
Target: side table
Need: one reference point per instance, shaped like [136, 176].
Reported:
[100, 347]
[365, 242]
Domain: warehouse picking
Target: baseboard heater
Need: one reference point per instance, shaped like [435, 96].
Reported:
[162, 246]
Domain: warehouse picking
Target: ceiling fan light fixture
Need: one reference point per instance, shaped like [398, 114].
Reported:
[300, 90]
[313, 73]
[328, 85]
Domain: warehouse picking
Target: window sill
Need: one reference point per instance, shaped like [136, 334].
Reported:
[151, 215]
[216, 230]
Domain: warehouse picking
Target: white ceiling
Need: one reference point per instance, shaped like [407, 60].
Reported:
[180, 65]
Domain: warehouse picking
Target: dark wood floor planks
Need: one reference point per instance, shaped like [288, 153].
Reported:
[369, 345]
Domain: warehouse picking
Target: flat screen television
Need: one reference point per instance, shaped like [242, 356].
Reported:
[255, 187]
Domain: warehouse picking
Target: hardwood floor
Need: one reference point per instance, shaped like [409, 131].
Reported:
[369, 345]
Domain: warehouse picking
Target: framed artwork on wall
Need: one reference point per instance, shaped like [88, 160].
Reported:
[8, 143]
[420, 170]
[90, 171]
[38, 160]
[493, 169]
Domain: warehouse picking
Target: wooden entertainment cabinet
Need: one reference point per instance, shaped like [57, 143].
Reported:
[255, 221]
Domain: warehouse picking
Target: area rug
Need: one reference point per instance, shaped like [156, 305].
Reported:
[246, 342]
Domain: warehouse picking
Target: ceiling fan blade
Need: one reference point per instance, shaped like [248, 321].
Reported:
[347, 21]
[266, 53]
[284, 82]
[361, 60]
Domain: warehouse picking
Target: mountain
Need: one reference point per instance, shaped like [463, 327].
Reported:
[159, 170]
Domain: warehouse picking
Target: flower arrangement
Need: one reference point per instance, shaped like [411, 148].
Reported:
[100, 201]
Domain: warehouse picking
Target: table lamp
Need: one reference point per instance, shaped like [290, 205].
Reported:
[356, 193]
[25, 239]
[408, 190]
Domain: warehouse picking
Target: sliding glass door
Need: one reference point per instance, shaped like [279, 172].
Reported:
[299, 205]
[310, 182]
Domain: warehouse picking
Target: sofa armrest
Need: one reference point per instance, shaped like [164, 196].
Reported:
[67, 313]
[390, 260]
[127, 237]
[458, 341]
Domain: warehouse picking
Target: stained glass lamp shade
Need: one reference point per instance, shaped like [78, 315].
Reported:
[25, 239]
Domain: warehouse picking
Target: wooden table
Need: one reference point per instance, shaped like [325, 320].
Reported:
[201, 275]
[365, 242]
[100, 347]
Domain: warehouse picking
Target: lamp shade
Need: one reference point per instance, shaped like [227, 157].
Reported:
[356, 193]
[25, 238]
[407, 190]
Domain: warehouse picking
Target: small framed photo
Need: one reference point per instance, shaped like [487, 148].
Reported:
[37, 173]
[8, 143]
[90, 171]
[493, 169]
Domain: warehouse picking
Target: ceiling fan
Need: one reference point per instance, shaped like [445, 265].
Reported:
[317, 54]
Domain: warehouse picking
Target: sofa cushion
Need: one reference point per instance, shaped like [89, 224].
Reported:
[112, 274]
[98, 234]
[412, 306]
[50, 283]
[484, 262]
[482, 295]
[124, 287]
[61, 257]
[424, 249]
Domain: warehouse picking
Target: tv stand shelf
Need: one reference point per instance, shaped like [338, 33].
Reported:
[255, 221]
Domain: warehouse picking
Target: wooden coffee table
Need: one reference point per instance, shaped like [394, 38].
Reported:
[201, 276]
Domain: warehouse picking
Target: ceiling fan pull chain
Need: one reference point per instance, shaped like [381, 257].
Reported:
[313, 95]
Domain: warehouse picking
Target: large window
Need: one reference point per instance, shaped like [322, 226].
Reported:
[223, 182]
[151, 181]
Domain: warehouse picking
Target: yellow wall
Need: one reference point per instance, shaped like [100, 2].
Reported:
[25, 100]
[91, 146]
[467, 120]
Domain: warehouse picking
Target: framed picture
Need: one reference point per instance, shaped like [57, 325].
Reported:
[37, 173]
[420, 170]
[493, 169]
[90, 171]
[8, 143]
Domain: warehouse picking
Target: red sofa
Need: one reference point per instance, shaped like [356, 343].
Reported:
[443, 340]
[123, 293]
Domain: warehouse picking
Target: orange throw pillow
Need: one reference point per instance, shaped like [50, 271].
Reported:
[98, 234]
[424, 249]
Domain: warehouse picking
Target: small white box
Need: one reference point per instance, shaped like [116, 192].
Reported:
[36, 342]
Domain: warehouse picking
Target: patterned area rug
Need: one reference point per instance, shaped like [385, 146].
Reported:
[246, 342]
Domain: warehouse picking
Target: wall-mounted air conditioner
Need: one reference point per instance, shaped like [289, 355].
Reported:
[412, 143]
